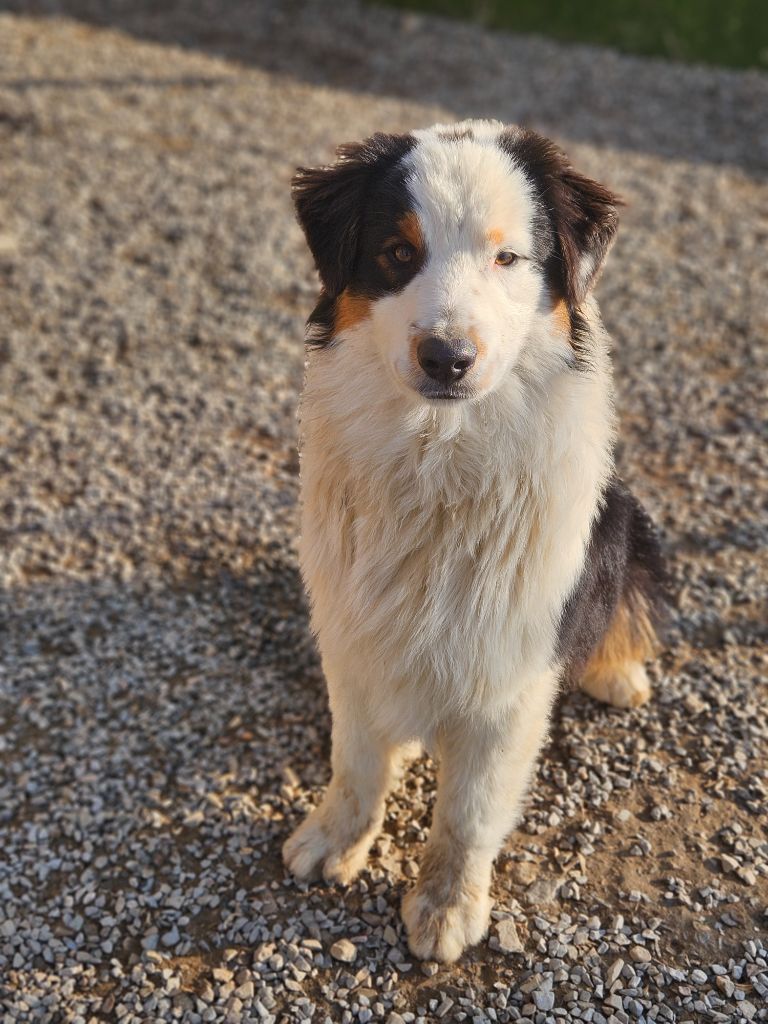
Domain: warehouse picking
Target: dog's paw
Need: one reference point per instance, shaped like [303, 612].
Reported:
[442, 931]
[311, 851]
[344, 867]
[306, 848]
[623, 686]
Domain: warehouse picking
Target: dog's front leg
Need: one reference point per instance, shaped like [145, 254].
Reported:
[485, 767]
[337, 835]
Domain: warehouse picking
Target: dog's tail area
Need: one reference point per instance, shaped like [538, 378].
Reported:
[614, 671]
[613, 620]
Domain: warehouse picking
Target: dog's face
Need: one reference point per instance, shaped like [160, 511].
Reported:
[448, 247]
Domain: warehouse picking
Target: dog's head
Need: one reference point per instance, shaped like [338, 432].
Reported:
[448, 247]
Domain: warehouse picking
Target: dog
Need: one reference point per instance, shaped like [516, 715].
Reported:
[465, 541]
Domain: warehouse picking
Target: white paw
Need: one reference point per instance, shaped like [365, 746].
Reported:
[442, 931]
[624, 686]
[311, 850]
[306, 848]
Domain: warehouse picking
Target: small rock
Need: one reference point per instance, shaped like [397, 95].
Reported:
[544, 890]
[544, 999]
[613, 972]
[725, 985]
[524, 872]
[509, 940]
[344, 950]
[172, 937]
[640, 954]
[245, 991]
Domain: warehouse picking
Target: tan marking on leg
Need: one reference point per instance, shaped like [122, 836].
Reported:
[615, 673]
[351, 310]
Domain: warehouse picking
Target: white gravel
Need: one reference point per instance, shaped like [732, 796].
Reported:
[164, 722]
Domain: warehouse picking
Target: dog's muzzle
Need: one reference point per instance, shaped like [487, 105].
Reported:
[446, 361]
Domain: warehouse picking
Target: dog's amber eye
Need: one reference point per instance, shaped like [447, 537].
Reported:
[403, 253]
[506, 258]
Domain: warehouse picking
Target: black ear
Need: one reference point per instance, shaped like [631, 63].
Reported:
[586, 220]
[582, 213]
[330, 200]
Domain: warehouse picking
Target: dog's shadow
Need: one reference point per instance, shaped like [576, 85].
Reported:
[167, 737]
[157, 733]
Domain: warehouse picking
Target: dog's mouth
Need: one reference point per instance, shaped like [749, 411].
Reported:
[445, 392]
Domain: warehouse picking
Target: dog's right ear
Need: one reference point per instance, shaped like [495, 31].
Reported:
[330, 200]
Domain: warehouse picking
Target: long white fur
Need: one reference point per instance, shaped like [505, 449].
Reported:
[440, 540]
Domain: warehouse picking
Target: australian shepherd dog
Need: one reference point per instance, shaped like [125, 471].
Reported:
[465, 541]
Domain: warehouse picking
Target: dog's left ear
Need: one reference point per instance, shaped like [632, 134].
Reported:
[586, 221]
[582, 213]
[330, 200]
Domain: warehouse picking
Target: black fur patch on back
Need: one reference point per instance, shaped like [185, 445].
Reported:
[624, 562]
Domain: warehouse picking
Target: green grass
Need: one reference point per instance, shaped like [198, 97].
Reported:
[728, 32]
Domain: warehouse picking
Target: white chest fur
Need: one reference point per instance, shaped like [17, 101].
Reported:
[439, 544]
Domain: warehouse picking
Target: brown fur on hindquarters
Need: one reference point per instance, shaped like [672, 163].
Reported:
[615, 672]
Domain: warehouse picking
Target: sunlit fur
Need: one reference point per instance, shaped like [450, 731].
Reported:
[441, 539]
[426, 557]
[463, 193]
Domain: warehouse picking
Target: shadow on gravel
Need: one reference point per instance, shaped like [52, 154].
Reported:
[575, 92]
[22, 85]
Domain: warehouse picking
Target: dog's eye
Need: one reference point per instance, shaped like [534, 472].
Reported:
[402, 253]
[506, 258]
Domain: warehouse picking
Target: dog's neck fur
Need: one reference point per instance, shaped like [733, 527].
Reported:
[417, 518]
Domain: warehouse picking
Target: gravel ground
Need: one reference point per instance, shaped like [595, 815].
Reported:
[164, 723]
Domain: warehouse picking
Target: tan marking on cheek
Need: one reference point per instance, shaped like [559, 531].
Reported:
[562, 317]
[477, 341]
[495, 236]
[351, 310]
[411, 230]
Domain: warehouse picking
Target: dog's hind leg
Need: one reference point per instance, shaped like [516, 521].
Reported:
[615, 673]
[485, 767]
[608, 630]
[336, 837]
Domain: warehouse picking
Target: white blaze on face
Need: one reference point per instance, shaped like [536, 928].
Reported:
[471, 201]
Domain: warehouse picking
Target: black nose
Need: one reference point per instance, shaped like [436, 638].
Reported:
[446, 361]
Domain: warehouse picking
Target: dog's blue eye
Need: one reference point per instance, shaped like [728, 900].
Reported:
[506, 258]
[403, 253]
